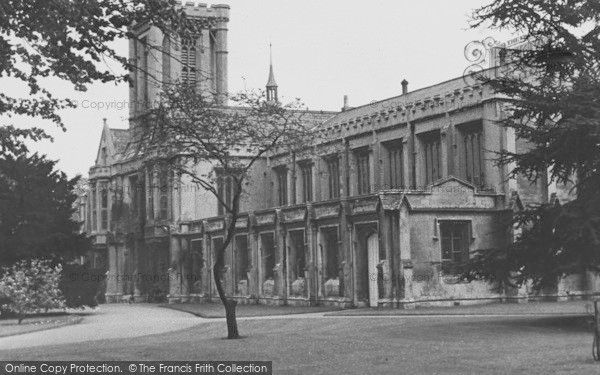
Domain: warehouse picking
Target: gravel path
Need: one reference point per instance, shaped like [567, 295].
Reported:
[111, 321]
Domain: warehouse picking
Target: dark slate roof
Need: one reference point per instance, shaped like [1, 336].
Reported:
[120, 139]
[400, 101]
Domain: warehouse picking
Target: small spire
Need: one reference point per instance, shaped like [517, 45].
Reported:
[271, 84]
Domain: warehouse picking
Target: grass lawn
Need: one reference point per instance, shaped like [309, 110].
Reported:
[216, 310]
[363, 345]
[37, 322]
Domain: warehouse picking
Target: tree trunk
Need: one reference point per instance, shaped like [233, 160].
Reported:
[232, 329]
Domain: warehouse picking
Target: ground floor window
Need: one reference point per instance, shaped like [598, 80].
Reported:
[455, 245]
[297, 254]
[267, 251]
[331, 256]
[242, 258]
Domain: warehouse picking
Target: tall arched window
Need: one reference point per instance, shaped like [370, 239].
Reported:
[188, 60]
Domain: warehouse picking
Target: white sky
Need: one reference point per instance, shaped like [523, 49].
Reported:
[322, 50]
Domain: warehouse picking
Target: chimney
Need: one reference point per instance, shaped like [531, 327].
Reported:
[345, 107]
[404, 87]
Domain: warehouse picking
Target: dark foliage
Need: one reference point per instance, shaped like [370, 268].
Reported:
[71, 40]
[81, 286]
[551, 95]
[36, 211]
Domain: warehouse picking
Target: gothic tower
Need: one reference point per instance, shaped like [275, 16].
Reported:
[199, 60]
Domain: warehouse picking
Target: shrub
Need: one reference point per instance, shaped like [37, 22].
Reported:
[81, 286]
[31, 286]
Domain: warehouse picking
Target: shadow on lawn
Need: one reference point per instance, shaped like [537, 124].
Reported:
[562, 323]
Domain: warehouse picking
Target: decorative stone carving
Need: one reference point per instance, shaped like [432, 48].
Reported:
[294, 215]
[365, 205]
[327, 210]
[265, 218]
[213, 226]
[391, 201]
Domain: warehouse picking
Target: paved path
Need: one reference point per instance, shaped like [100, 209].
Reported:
[112, 321]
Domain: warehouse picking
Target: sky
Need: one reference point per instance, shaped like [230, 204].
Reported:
[322, 50]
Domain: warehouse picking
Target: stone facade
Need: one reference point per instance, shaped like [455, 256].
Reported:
[400, 193]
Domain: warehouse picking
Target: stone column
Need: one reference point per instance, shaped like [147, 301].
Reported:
[395, 260]
[281, 272]
[406, 256]
[406, 165]
[495, 138]
[409, 301]
[185, 276]
[207, 269]
[154, 40]
[412, 158]
[346, 244]
[113, 273]
[253, 277]
[98, 207]
[345, 171]
[133, 89]
[318, 262]
[373, 168]
[377, 156]
[318, 183]
[221, 52]
[311, 274]
[453, 155]
[445, 151]
[287, 279]
[138, 272]
[121, 274]
[353, 250]
[385, 241]
[292, 179]
[228, 279]
[175, 280]
[259, 265]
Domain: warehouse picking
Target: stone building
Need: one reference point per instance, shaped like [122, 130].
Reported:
[400, 194]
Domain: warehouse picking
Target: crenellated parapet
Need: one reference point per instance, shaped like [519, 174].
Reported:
[419, 105]
[217, 12]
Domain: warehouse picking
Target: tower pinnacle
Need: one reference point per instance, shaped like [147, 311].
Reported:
[271, 84]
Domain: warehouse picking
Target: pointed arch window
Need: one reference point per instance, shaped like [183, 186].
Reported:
[189, 49]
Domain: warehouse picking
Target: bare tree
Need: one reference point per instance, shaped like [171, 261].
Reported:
[189, 129]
